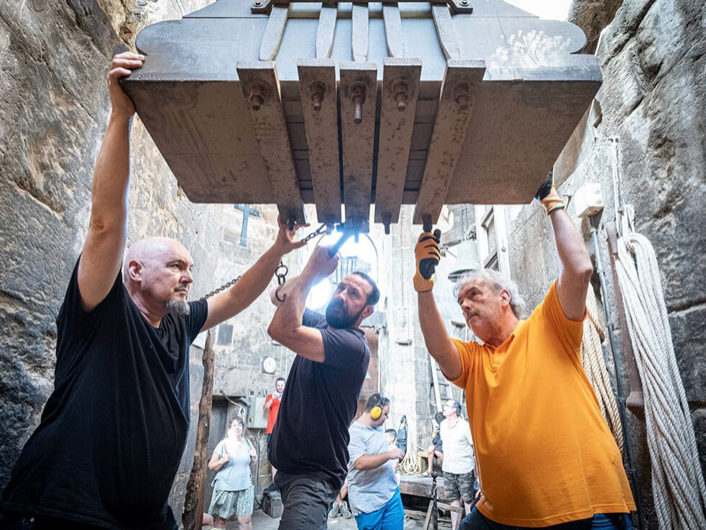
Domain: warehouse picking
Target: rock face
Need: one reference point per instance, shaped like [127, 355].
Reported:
[648, 125]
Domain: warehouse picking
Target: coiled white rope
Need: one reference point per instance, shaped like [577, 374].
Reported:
[594, 365]
[677, 481]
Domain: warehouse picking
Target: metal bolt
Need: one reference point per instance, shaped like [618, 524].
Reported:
[256, 97]
[318, 89]
[258, 3]
[357, 91]
[464, 3]
[401, 96]
[386, 220]
[462, 96]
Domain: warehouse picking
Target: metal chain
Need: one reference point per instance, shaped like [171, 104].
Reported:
[281, 271]
[222, 288]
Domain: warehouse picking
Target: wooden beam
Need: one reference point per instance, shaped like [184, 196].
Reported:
[453, 115]
[273, 33]
[326, 31]
[358, 95]
[445, 31]
[261, 89]
[393, 29]
[359, 33]
[193, 501]
[317, 86]
[400, 88]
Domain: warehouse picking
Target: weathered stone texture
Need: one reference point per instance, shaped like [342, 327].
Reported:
[652, 109]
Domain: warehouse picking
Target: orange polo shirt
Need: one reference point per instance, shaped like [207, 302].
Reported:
[545, 454]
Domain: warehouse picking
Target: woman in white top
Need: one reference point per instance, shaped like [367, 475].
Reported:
[233, 491]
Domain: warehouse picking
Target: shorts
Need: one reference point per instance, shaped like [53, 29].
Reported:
[226, 504]
[459, 486]
[389, 517]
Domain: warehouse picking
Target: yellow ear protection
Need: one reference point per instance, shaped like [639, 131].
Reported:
[376, 411]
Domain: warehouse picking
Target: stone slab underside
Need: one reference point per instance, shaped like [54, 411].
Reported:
[533, 94]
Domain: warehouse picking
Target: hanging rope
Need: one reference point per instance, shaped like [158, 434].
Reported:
[677, 480]
[410, 462]
[594, 365]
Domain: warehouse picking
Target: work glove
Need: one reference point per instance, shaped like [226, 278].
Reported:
[427, 255]
[547, 195]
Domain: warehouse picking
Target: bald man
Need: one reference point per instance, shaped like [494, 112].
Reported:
[113, 431]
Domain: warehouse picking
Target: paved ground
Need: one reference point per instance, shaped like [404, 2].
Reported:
[262, 521]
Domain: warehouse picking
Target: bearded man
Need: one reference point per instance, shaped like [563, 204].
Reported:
[309, 445]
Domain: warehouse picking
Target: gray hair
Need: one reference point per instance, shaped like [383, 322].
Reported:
[496, 281]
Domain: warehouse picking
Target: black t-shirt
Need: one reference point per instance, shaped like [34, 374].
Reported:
[114, 429]
[319, 403]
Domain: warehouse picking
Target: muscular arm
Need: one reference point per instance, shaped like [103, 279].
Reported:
[254, 281]
[107, 231]
[286, 326]
[229, 303]
[576, 270]
[437, 340]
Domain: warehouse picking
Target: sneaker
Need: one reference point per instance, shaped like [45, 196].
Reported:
[335, 511]
[345, 511]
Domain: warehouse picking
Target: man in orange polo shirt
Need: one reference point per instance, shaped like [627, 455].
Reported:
[545, 455]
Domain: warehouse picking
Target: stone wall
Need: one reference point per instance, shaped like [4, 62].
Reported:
[646, 127]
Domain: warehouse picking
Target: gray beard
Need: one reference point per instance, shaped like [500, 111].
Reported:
[178, 308]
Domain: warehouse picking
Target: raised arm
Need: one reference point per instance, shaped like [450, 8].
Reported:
[254, 281]
[107, 230]
[436, 338]
[286, 326]
[576, 266]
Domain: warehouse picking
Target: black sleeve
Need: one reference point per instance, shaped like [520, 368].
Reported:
[312, 319]
[196, 318]
[343, 348]
[72, 315]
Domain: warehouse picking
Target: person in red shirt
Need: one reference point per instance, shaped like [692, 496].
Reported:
[272, 402]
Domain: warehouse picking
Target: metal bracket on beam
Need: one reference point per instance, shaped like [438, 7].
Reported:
[358, 95]
[263, 7]
[400, 88]
[260, 87]
[317, 88]
[453, 117]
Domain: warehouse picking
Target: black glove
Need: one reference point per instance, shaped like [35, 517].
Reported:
[546, 187]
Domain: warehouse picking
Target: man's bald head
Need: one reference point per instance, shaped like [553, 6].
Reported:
[158, 273]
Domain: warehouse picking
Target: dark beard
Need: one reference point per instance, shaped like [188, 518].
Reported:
[337, 317]
[178, 308]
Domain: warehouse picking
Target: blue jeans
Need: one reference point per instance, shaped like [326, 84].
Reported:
[604, 521]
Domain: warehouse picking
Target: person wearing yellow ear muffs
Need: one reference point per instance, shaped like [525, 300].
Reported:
[372, 485]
